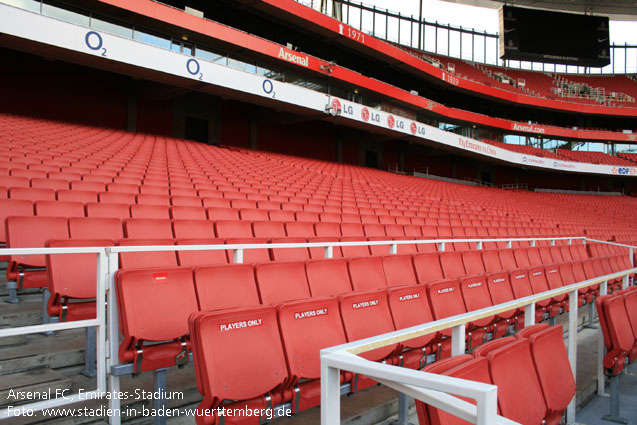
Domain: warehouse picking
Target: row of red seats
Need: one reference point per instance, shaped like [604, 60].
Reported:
[531, 370]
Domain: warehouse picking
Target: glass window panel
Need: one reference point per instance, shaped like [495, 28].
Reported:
[211, 56]
[33, 6]
[111, 28]
[155, 40]
[65, 15]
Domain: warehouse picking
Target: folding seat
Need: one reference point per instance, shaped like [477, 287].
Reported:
[394, 230]
[501, 292]
[28, 173]
[554, 280]
[68, 176]
[534, 257]
[521, 257]
[243, 203]
[222, 375]
[507, 260]
[491, 261]
[13, 207]
[268, 229]
[399, 270]
[150, 211]
[354, 251]
[3, 192]
[281, 215]
[328, 277]
[72, 280]
[476, 296]
[225, 286]
[307, 327]
[539, 284]
[512, 370]
[209, 202]
[329, 217]
[473, 369]
[201, 257]
[146, 259]
[88, 186]
[82, 196]
[299, 229]
[367, 273]
[183, 191]
[556, 253]
[32, 194]
[578, 251]
[409, 307]
[565, 251]
[472, 261]
[281, 281]
[306, 216]
[352, 229]
[351, 218]
[155, 330]
[313, 208]
[291, 206]
[553, 370]
[187, 213]
[369, 219]
[151, 199]
[459, 233]
[366, 314]
[327, 229]
[116, 198]
[289, 254]
[95, 228]
[59, 209]
[452, 266]
[123, 188]
[119, 211]
[188, 201]
[445, 297]
[427, 267]
[53, 184]
[156, 188]
[222, 213]
[15, 181]
[193, 229]
[148, 228]
[417, 221]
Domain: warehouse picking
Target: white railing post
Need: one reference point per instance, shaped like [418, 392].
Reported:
[509, 244]
[237, 256]
[632, 258]
[533, 243]
[393, 249]
[625, 281]
[441, 246]
[529, 314]
[458, 340]
[487, 407]
[572, 349]
[328, 251]
[601, 348]
[113, 339]
[100, 306]
[479, 245]
[330, 393]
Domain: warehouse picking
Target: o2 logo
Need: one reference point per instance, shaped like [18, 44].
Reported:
[193, 68]
[365, 114]
[391, 121]
[94, 42]
[268, 88]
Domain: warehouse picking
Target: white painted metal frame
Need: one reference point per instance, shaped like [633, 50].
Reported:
[99, 322]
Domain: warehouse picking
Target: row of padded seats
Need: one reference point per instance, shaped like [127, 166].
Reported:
[531, 370]
[448, 290]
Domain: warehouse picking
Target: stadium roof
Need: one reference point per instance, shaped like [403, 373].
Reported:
[615, 9]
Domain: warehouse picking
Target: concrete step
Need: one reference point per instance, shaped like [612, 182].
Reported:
[27, 312]
[12, 341]
[64, 349]
[31, 385]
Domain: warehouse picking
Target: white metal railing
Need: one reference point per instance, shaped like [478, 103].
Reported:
[421, 385]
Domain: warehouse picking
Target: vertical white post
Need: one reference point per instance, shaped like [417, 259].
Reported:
[625, 281]
[100, 301]
[552, 242]
[113, 339]
[529, 314]
[393, 249]
[533, 243]
[237, 256]
[572, 350]
[328, 252]
[632, 258]
[601, 348]
[441, 246]
[458, 340]
[487, 407]
[509, 244]
[479, 245]
[330, 394]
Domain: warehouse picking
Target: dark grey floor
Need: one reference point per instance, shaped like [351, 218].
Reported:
[592, 413]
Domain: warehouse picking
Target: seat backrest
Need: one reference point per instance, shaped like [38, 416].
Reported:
[225, 286]
[73, 275]
[534, 256]
[154, 305]
[32, 194]
[201, 257]
[95, 228]
[227, 346]
[13, 207]
[578, 271]
[233, 229]
[328, 277]
[475, 292]
[618, 322]
[222, 213]
[268, 229]
[410, 307]
[507, 259]
[520, 283]
[281, 281]
[445, 298]
[565, 250]
[427, 267]
[148, 228]
[308, 326]
[101, 210]
[500, 288]
[556, 253]
[374, 230]
[137, 260]
[295, 229]
[33, 232]
[546, 255]
[59, 209]
[553, 368]
[566, 273]
[366, 314]
[521, 257]
[520, 396]
[352, 229]
[399, 270]
[491, 260]
[193, 229]
[553, 276]
[472, 261]
[150, 211]
[366, 273]
[452, 265]
[83, 196]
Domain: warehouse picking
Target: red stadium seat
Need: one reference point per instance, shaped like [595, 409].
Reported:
[226, 286]
[279, 282]
[201, 257]
[138, 260]
[193, 229]
[328, 277]
[95, 228]
[367, 273]
[148, 228]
